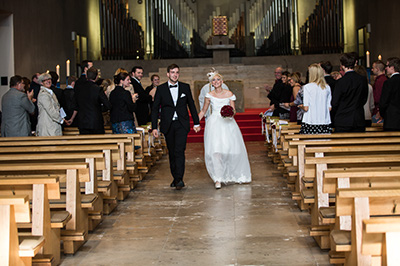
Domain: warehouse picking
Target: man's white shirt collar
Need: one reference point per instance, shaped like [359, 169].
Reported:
[169, 84]
[48, 90]
[395, 73]
[137, 80]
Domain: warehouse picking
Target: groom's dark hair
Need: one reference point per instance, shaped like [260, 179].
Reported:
[172, 67]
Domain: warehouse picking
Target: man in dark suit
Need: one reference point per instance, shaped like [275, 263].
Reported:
[389, 103]
[276, 92]
[86, 64]
[349, 97]
[90, 102]
[142, 104]
[35, 86]
[174, 98]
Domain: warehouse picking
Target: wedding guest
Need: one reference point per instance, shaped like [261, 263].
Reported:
[274, 93]
[57, 91]
[70, 102]
[336, 75]
[378, 68]
[351, 93]
[155, 82]
[85, 65]
[294, 82]
[27, 84]
[369, 105]
[122, 106]
[105, 85]
[327, 67]
[286, 93]
[16, 107]
[317, 103]
[111, 86]
[49, 119]
[142, 109]
[152, 89]
[35, 86]
[389, 106]
[299, 103]
[91, 101]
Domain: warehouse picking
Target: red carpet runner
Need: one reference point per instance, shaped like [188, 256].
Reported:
[249, 123]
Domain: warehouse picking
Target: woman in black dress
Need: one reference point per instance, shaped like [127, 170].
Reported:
[123, 106]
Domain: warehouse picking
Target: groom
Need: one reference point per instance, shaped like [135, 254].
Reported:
[174, 98]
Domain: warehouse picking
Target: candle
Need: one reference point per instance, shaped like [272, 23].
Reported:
[379, 57]
[58, 72]
[367, 59]
[68, 67]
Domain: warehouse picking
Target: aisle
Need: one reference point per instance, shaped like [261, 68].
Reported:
[255, 224]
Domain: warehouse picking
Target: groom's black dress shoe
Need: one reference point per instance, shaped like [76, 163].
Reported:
[172, 184]
[179, 185]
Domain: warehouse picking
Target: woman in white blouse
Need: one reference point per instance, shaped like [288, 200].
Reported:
[316, 104]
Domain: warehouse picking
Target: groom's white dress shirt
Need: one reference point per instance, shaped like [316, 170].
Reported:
[174, 94]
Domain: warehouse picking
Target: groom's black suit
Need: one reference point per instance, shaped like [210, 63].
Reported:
[175, 131]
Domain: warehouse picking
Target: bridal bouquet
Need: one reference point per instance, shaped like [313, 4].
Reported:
[227, 111]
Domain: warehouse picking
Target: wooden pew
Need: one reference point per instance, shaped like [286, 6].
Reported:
[124, 145]
[361, 204]
[366, 177]
[16, 250]
[321, 199]
[40, 189]
[76, 229]
[131, 144]
[381, 240]
[298, 153]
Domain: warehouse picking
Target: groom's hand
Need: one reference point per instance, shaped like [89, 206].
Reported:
[196, 128]
[155, 133]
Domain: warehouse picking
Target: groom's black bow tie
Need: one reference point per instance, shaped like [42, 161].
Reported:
[173, 86]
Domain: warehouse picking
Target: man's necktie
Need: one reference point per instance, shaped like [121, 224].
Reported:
[173, 86]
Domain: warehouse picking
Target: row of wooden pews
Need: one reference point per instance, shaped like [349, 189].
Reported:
[349, 182]
[67, 183]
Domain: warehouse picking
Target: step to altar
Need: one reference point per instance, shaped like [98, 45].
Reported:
[249, 123]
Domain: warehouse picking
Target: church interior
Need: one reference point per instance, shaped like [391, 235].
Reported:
[106, 199]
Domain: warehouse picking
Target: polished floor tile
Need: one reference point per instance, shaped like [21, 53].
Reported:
[249, 224]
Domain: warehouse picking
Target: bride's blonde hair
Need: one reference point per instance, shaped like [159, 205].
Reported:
[215, 75]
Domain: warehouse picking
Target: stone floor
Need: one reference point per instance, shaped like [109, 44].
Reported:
[253, 224]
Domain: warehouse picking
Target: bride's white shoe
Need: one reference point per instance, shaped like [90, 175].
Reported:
[217, 185]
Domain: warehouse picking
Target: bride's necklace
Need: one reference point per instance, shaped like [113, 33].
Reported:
[216, 92]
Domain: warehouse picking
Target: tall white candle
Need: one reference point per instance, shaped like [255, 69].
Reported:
[58, 72]
[68, 67]
[367, 59]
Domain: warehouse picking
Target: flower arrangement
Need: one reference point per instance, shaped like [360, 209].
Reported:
[227, 111]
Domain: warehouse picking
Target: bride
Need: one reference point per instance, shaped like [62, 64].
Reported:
[225, 152]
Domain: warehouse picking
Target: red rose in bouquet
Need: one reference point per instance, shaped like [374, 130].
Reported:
[227, 111]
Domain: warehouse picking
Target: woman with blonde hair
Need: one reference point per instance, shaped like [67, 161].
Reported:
[316, 103]
[225, 154]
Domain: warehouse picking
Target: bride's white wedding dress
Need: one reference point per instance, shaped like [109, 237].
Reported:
[225, 153]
